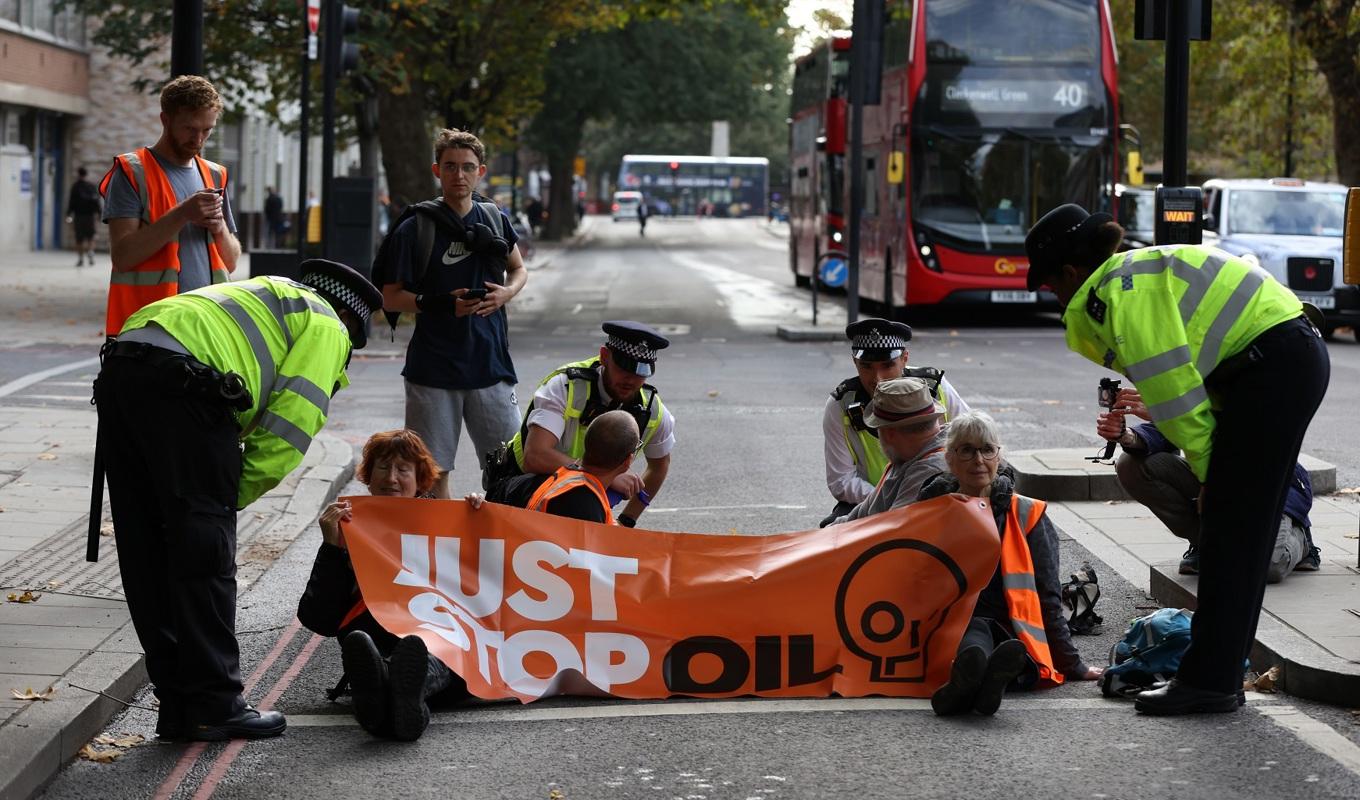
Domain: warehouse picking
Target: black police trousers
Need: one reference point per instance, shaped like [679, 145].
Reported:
[1268, 395]
[173, 465]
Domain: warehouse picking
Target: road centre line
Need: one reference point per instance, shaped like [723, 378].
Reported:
[18, 384]
[495, 714]
[681, 510]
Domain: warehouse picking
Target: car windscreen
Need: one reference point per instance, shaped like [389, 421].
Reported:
[1286, 213]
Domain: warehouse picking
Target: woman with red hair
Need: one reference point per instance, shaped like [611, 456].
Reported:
[390, 678]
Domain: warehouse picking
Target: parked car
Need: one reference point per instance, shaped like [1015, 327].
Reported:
[625, 206]
[1292, 228]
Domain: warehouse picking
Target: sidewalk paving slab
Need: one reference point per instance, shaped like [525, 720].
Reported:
[1310, 622]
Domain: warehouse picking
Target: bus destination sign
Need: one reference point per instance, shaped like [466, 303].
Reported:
[1024, 96]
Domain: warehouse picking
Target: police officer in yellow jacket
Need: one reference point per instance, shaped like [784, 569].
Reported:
[1232, 373]
[206, 401]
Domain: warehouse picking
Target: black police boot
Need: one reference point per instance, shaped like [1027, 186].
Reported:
[956, 697]
[413, 676]
[367, 682]
[247, 724]
[1005, 663]
[1176, 698]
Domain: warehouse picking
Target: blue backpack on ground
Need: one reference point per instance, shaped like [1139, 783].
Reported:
[1150, 652]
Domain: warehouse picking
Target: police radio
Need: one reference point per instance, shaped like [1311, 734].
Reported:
[1179, 215]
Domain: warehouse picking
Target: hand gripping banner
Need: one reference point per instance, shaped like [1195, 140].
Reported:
[524, 604]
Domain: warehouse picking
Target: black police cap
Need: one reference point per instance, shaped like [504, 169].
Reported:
[876, 339]
[344, 288]
[1053, 237]
[634, 345]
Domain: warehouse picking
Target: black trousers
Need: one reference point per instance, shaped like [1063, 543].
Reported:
[173, 464]
[1268, 399]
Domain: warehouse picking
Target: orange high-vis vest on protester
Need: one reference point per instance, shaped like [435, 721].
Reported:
[563, 481]
[1022, 593]
[158, 276]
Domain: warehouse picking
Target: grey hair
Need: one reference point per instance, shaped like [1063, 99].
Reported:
[973, 426]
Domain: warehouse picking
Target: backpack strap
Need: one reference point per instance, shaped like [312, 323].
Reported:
[494, 212]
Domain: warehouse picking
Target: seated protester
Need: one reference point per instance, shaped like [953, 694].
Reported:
[1018, 637]
[907, 418]
[1154, 473]
[389, 678]
[854, 459]
[578, 492]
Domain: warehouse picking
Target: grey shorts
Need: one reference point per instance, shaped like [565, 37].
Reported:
[491, 414]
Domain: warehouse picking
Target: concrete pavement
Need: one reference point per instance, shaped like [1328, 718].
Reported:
[1310, 624]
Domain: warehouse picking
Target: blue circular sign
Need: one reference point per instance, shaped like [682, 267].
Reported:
[834, 272]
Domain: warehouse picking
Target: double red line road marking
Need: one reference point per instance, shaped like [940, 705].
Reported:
[224, 760]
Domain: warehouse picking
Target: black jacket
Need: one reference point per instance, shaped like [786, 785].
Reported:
[332, 592]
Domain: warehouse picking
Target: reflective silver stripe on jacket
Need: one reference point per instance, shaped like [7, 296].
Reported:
[1019, 580]
[258, 346]
[305, 389]
[1156, 365]
[571, 480]
[144, 278]
[578, 395]
[285, 430]
[139, 183]
[1036, 633]
[852, 437]
[1170, 409]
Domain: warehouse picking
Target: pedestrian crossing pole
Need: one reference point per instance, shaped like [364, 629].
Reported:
[186, 38]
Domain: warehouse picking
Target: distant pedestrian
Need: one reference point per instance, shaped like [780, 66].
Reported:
[170, 223]
[642, 217]
[534, 211]
[82, 209]
[273, 217]
[1215, 346]
[453, 261]
[206, 401]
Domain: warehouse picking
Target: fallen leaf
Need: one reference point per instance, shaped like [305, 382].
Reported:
[99, 755]
[1349, 490]
[713, 393]
[26, 597]
[1264, 683]
[106, 529]
[29, 694]
[556, 794]
[125, 741]
[47, 457]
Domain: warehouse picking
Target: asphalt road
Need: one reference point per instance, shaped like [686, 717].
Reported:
[748, 460]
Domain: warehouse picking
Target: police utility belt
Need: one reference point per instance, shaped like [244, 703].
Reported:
[185, 372]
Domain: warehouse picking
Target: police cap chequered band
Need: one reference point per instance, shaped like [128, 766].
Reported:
[339, 291]
[634, 350]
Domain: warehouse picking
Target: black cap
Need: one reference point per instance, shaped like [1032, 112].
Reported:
[874, 339]
[344, 288]
[1051, 240]
[634, 345]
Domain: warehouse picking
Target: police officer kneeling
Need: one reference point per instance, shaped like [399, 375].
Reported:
[1232, 373]
[206, 401]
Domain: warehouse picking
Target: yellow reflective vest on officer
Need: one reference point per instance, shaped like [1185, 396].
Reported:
[289, 346]
[581, 379]
[865, 448]
[1020, 586]
[1165, 317]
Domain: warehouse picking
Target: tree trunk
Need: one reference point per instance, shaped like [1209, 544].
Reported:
[1325, 29]
[404, 133]
[561, 193]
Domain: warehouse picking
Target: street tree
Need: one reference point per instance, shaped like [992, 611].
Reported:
[1331, 29]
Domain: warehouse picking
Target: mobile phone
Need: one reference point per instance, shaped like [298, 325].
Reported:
[474, 294]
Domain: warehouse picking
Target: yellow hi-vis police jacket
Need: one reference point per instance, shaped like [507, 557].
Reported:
[1165, 317]
[289, 346]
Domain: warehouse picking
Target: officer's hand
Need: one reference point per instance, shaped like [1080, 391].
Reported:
[496, 296]
[628, 484]
[474, 499]
[202, 207]
[331, 518]
[1130, 401]
[1110, 426]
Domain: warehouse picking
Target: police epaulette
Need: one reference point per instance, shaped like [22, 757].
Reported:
[847, 385]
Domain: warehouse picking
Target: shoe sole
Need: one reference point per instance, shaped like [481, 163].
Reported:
[406, 672]
[1007, 662]
[364, 666]
[956, 697]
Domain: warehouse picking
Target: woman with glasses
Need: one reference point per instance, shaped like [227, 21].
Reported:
[1018, 637]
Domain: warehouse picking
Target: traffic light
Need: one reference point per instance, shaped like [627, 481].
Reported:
[675, 168]
[346, 54]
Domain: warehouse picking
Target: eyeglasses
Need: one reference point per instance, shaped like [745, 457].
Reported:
[966, 452]
[466, 169]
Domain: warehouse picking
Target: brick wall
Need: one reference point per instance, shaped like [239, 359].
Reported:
[30, 62]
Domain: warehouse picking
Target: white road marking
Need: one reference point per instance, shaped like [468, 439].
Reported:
[1317, 735]
[776, 506]
[26, 381]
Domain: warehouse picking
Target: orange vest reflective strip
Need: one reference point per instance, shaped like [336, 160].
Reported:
[158, 276]
[563, 481]
[1022, 593]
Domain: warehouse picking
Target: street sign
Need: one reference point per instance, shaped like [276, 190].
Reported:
[313, 16]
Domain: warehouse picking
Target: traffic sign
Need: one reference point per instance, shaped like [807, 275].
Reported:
[313, 16]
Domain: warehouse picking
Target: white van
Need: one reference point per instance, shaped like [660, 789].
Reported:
[625, 206]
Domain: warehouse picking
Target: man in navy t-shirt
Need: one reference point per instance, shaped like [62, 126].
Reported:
[458, 366]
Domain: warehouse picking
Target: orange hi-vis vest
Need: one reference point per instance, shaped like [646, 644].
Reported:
[1022, 593]
[158, 276]
[563, 481]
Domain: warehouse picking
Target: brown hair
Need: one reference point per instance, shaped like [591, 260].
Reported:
[189, 93]
[452, 137]
[402, 443]
[1095, 247]
[610, 438]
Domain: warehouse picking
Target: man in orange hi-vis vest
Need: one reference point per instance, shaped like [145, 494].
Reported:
[170, 225]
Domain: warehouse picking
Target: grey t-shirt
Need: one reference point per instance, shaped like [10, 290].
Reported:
[123, 202]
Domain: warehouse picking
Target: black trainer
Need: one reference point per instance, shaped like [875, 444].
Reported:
[956, 697]
[367, 673]
[1003, 666]
[1190, 561]
[407, 670]
[249, 724]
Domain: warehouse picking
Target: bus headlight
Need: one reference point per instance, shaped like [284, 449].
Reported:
[929, 257]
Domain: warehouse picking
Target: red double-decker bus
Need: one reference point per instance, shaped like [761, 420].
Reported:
[991, 115]
[817, 155]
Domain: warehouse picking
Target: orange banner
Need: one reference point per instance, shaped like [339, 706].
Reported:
[524, 604]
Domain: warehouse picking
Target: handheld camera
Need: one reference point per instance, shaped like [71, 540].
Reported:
[1108, 397]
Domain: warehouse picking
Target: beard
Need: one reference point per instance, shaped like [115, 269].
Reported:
[184, 151]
